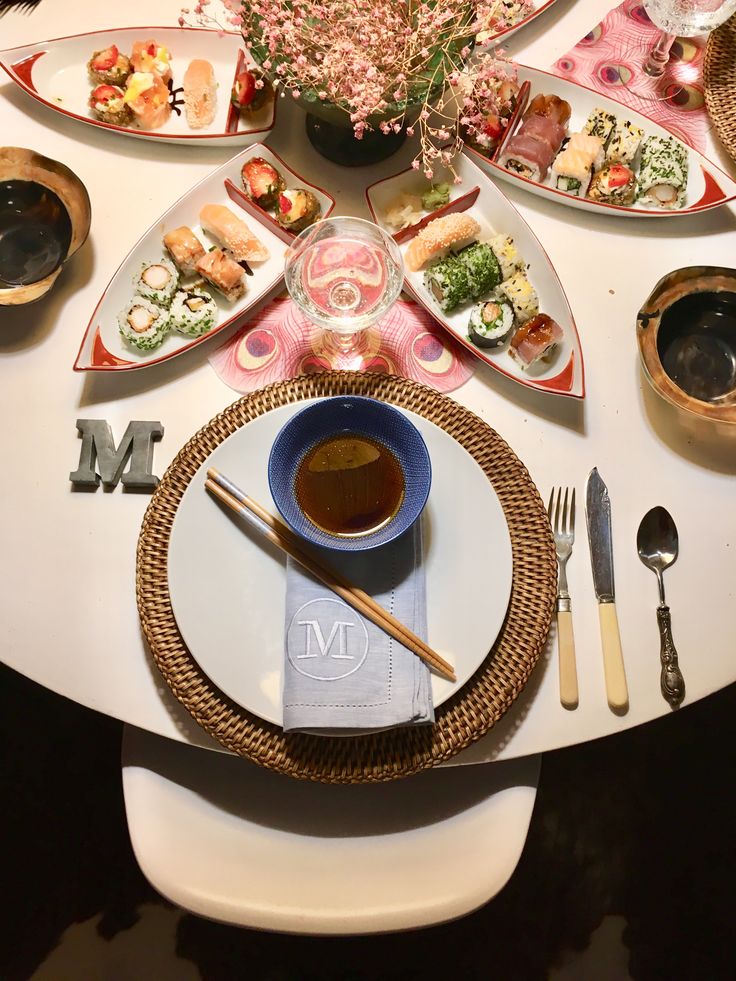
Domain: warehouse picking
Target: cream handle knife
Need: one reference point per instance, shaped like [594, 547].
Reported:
[613, 659]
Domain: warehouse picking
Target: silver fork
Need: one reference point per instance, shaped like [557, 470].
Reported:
[562, 522]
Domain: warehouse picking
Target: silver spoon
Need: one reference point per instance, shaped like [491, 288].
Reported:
[657, 544]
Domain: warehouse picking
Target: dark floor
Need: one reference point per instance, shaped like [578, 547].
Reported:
[629, 870]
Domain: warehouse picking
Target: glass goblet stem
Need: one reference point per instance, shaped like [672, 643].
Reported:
[659, 55]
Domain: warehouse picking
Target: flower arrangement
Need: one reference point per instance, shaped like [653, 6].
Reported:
[387, 64]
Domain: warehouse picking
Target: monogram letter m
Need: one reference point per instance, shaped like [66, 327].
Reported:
[98, 445]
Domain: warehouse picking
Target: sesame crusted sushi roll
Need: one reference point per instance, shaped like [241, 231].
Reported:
[448, 283]
[143, 324]
[507, 255]
[522, 295]
[484, 272]
[193, 312]
[624, 142]
[158, 282]
[491, 321]
[600, 123]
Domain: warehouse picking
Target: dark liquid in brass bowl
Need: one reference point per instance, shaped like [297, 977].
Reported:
[349, 485]
[35, 232]
[696, 343]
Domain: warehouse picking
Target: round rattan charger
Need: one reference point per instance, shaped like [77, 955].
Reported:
[386, 755]
[719, 82]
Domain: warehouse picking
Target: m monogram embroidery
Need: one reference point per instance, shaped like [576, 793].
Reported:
[322, 644]
[314, 629]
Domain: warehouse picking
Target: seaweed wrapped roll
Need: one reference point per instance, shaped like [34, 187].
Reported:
[143, 324]
[193, 312]
[448, 282]
[491, 321]
[158, 282]
[484, 272]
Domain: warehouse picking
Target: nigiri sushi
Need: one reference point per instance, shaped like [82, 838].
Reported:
[232, 233]
[148, 97]
[200, 93]
[184, 248]
[223, 273]
[450, 231]
[535, 339]
[150, 56]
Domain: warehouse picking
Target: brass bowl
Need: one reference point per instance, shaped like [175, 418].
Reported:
[686, 332]
[54, 221]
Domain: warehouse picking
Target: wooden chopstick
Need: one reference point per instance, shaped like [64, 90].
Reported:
[282, 536]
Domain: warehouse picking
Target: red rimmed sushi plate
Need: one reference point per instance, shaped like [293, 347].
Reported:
[707, 186]
[537, 7]
[55, 74]
[103, 348]
[563, 373]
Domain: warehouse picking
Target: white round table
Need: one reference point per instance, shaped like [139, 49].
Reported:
[67, 605]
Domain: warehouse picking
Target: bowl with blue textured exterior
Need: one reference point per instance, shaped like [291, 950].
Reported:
[343, 417]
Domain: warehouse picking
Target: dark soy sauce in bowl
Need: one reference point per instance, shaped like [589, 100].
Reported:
[696, 343]
[349, 485]
[35, 232]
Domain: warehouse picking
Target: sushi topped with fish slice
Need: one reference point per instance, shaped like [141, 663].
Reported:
[232, 233]
[535, 339]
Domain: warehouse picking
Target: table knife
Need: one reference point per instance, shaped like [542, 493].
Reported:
[598, 517]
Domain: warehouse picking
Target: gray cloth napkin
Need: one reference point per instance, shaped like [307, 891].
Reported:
[340, 670]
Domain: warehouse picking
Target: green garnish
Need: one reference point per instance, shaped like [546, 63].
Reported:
[436, 196]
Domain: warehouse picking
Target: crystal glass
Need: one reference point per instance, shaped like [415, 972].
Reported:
[675, 18]
[344, 274]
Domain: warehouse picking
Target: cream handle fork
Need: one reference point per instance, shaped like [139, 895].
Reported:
[566, 654]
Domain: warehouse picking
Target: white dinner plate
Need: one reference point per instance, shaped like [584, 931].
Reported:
[707, 186]
[563, 372]
[55, 73]
[227, 586]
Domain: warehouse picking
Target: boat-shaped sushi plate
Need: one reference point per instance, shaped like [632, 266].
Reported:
[55, 74]
[103, 347]
[561, 372]
[537, 7]
[707, 186]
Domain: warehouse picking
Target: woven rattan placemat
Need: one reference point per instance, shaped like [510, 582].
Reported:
[461, 720]
[719, 82]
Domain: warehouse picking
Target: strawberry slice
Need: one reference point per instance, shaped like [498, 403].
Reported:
[492, 127]
[244, 90]
[261, 182]
[618, 175]
[104, 93]
[104, 60]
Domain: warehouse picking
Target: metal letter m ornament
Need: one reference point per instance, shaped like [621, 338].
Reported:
[98, 446]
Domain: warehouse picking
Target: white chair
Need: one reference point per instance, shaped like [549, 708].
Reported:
[229, 840]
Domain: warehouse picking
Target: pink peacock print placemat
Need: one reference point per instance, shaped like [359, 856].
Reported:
[281, 343]
[613, 53]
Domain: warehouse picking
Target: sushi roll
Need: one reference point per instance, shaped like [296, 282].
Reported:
[148, 96]
[441, 234]
[600, 123]
[222, 272]
[158, 282]
[143, 324]
[522, 295]
[150, 56]
[535, 339]
[107, 102]
[232, 233]
[297, 209]
[184, 248]
[663, 173]
[200, 93]
[507, 255]
[109, 66]
[193, 312]
[448, 283]
[251, 91]
[574, 166]
[262, 182]
[491, 321]
[615, 184]
[624, 143]
[484, 272]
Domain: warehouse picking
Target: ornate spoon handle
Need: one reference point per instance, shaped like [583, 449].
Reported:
[671, 681]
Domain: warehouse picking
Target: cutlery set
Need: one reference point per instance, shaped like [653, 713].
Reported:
[657, 545]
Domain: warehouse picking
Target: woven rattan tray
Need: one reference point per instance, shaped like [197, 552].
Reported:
[462, 719]
[719, 82]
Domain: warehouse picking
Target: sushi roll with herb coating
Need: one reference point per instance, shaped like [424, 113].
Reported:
[158, 282]
[484, 272]
[507, 255]
[297, 209]
[600, 123]
[663, 173]
[107, 102]
[491, 321]
[522, 295]
[193, 312]
[624, 142]
[109, 66]
[448, 283]
[143, 324]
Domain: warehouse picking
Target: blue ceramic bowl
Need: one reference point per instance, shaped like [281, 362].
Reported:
[365, 417]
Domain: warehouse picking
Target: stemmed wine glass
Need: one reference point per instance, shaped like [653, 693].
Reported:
[675, 18]
[344, 274]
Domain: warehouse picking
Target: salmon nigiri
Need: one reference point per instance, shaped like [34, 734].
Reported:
[232, 233]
